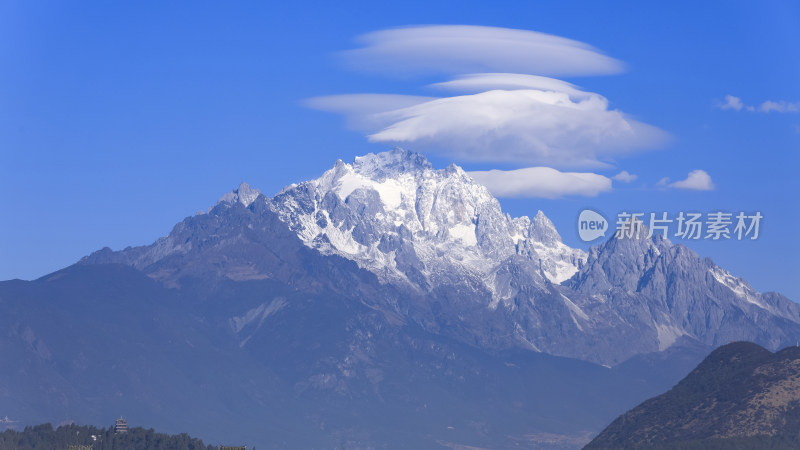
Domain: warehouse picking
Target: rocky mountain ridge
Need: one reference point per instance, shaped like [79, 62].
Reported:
[457, 265]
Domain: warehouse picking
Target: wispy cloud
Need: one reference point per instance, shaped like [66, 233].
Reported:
[731, 102]
[735, 104]
[624, 177]
[781, 107]
[365, 111]
[542, 182]
[697, 180]
[455, 49]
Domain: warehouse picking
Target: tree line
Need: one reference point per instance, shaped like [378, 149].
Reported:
[45, 437]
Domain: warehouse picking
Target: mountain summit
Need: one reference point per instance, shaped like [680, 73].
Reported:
[244, 194]
[397, 216]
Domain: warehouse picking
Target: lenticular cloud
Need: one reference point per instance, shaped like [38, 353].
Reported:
[454, 49]
[528, 126]
[505, 108]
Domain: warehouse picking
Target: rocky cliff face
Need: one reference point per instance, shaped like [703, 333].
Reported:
[673, 292]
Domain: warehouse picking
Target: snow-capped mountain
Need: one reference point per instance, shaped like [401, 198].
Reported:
[396, 216]
[446, 257]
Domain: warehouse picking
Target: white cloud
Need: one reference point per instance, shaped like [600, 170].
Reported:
[454, 49]
[698, 180]
[520, 126]
[624, 177]
[543, 182]
[736, 104]
[731, 102]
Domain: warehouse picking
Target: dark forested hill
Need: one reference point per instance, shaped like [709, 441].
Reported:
[740, 396]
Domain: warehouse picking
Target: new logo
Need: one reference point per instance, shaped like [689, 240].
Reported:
[591, 225]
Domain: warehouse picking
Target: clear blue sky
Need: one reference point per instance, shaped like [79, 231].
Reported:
[117, 120]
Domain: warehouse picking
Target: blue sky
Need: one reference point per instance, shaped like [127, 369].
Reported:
[119, 120]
